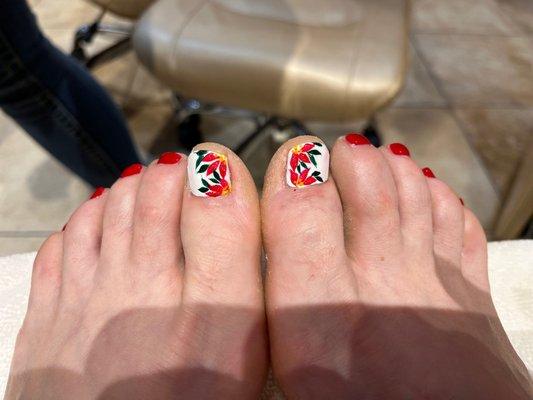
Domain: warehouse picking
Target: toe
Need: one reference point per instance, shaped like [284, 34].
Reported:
[118, 220]
[474, 253]
[220, 230]
[156, 245]
[414, 200]
[448, 222]
[303, 227]
[81, 246]
[46, 279]
[369, 200]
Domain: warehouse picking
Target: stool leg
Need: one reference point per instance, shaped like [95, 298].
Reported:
[371, 132]
[189, 132]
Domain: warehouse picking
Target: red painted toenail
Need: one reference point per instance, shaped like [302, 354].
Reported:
[357, 139]
[63, 229]
[97, 193]
[399, 149]
[428, 172]
[462, 201]
[169, 158]
[133, 169]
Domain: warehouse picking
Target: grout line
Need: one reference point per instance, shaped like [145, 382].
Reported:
[25, 234]
[437, 82]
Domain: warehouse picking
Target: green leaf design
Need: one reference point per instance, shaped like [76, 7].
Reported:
[299, 168]
[316, 173]
[203, 190]
[318, 178]
[201, 154]
[205, 183]
[314, 152]
[203, 168]
[313, 160]
[214, 180]
[216, 175]
[318, 144]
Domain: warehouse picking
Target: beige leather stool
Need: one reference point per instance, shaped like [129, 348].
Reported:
[131, 9]
[308, 60]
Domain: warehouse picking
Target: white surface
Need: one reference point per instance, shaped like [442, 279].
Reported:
[510, 270]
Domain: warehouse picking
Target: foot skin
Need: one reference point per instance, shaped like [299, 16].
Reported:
[377, 283]
[151, 291]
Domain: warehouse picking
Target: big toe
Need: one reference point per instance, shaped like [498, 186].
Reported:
[303, 227]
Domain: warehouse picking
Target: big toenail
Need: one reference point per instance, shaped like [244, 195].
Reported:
[399, 149]
[209, 174]
[133, 169]
[97, 193]
[170, 157]
[356, 139]
[307, 164]
[428, 172]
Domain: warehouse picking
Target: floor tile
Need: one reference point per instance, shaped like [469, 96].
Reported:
[436, 141]
[477, 71]
[9, 246]
[460, 16]
[419, 89]
[146, 90]
[500, 138]
[520, 11]
[117, 76]
[36, 192]
[151, 127]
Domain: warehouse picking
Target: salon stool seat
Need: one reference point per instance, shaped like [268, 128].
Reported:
[324, 60]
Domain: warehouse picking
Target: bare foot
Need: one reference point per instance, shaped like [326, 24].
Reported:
[377, 281]
[151, 292]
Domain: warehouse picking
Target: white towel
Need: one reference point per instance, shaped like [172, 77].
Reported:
[510, 271]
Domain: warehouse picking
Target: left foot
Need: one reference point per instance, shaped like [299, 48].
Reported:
[151, 292]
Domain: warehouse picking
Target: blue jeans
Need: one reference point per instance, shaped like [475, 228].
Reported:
[55, 100]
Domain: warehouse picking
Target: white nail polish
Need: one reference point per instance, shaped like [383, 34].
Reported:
[307, 165]
[209, 174]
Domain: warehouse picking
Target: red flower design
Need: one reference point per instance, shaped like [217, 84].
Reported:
[301, 161]
[213, 168]
[221, 189]
[302, 179]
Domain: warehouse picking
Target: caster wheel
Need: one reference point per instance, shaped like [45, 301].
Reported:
[372, 134]
[189, 133]
[79, 54]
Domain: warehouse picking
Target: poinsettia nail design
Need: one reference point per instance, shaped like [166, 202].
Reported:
[307, 164]
[209, 175]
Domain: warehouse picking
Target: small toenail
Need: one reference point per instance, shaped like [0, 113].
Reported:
[307, 164]
[133, 169]
[428, 172]
[462, 201]
[357, 139]
[399, 149]
[209, 174]
[97, 193]
[64, 227]
[170, 157]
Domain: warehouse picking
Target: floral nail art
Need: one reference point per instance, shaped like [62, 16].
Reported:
[307, 164]
[209, 175]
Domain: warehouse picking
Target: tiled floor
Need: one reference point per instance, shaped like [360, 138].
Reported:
[466, 110]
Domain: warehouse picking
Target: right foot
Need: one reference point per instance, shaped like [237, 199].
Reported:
[377, 282]
[151, 292]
